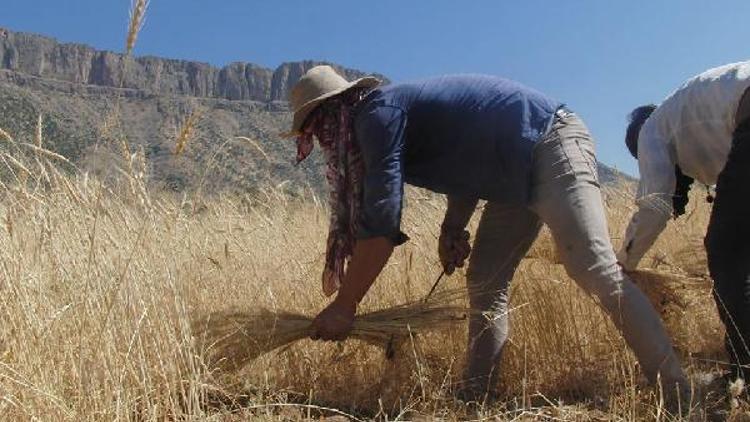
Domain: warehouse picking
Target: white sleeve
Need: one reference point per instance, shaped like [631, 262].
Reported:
[654, 200]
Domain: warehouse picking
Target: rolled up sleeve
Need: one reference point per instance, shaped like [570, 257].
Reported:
[380, 135]
[654, 200]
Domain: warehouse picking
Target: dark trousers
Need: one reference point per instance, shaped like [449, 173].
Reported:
[728, 247]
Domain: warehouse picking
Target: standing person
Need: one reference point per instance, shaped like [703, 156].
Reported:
[701, 132]
[470, 137]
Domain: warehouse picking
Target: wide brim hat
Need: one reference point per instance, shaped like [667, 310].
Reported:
[315, 86]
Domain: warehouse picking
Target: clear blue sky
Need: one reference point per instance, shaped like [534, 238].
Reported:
[601, 57]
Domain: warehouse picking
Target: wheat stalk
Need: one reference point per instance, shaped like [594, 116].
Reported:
[46, 152]
[5, 135]
[38, 133]
[254, 144]
[137, 18]
[17, 164]
[186, 132]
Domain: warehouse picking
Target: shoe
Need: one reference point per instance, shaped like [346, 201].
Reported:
[476, 394]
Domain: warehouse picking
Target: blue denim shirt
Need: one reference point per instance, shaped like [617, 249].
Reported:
[463, 135]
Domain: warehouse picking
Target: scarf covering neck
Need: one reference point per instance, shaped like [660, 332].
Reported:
[331, 123]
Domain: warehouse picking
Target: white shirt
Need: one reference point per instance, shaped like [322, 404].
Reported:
[692, 128]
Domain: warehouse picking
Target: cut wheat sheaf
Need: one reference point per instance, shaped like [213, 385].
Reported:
[232, 339]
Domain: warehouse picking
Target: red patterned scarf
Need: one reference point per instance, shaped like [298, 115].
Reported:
[331, 123]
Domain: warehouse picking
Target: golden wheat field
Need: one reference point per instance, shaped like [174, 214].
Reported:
[102, 286]
[107, 291]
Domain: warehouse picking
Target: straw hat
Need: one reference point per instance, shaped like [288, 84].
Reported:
[315, 86]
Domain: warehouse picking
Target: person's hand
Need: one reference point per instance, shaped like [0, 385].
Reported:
[453, 249]
[335, 321]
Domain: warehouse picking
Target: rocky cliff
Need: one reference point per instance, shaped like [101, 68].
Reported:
[44, 57]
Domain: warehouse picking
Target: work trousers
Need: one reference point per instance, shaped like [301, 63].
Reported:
[728, 248]
[566, 197]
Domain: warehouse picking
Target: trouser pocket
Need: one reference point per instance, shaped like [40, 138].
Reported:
[579, 151]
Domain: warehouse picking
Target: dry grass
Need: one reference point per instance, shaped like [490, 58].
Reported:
[101, 291]
[255, 145]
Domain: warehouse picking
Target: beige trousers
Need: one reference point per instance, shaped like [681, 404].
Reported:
[566, 197]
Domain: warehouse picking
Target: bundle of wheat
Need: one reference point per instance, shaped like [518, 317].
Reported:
[692, 257]
[686, 305]
[233, 339]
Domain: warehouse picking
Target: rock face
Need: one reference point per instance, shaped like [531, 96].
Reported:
[44, 57]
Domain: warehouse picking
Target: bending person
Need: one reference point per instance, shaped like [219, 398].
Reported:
[470, 137]
[701, 132]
